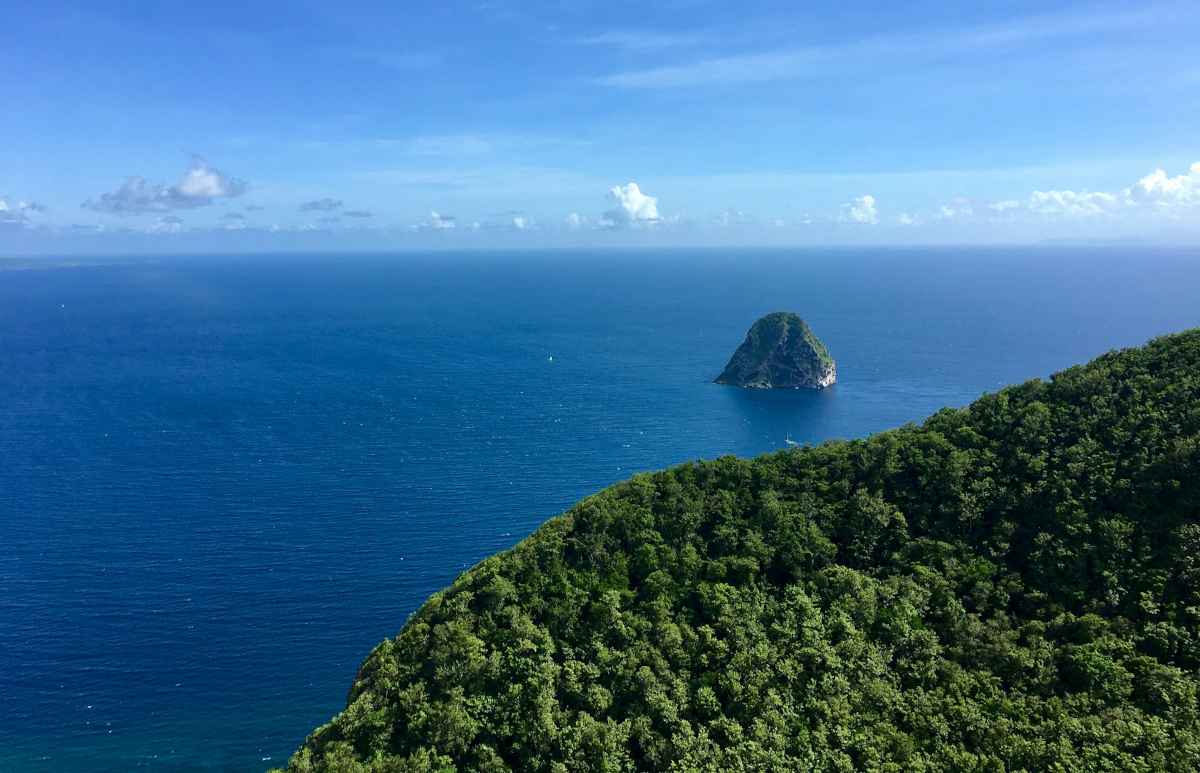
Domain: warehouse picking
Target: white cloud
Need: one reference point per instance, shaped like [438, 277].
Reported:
[198, 188]
[906, 219]
[1156, 193]
[861, 210]
[436, 222]
[629, 208]
[1070, 203]
[1157, 188]
[18, 214]
[728, 217]
[575, 222]
[165, 225]
[521, 223]
[962, 208]
[203, 182]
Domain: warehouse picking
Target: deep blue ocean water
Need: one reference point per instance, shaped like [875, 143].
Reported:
[223, 480]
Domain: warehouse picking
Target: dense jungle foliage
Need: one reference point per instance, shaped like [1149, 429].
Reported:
[1009, 587]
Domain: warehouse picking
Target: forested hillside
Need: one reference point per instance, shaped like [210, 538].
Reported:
[1010, 587]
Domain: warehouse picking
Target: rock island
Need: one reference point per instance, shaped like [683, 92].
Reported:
[780, 351]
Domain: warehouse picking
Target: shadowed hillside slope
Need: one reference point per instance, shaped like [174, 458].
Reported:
[1010, 587]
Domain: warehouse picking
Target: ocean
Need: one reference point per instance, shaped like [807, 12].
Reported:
[224, 479]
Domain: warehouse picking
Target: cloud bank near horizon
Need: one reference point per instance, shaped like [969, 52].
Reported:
[1157, 198]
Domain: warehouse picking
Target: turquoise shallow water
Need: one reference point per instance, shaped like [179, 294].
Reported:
[223, 480]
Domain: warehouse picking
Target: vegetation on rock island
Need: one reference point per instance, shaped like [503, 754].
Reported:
[780, 350]
[1014, 586]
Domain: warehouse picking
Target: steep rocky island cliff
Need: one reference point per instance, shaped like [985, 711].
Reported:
[780, 351]
[1013, 586]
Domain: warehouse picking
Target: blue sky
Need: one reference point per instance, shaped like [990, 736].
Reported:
[284, 125]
